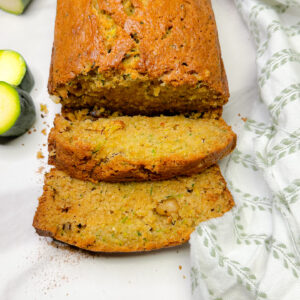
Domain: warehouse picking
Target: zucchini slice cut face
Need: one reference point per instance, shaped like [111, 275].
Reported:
[16, 7]
[14, 70]
[17, 111]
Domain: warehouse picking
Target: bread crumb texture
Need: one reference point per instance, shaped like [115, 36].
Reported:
[124, 217]
[40, 155]
[138, 148]
[44, 108]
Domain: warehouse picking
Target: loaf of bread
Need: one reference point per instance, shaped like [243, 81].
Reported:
[137, 56]
[138, 148]
[125, 217]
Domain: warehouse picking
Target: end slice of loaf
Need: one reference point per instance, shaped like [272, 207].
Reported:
[138, 148]
[140, 57]
[125, 217]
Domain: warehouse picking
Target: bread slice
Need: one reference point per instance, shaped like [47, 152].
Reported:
[137, 148]
[138, 56]
[125, 217]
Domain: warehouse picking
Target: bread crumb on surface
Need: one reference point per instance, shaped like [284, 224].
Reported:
[40, 155]
[40, 170]
[180, 267]
[244, 119]
[44, 131]
[44, 108]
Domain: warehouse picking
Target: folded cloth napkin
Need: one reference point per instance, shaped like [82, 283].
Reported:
[253, 252]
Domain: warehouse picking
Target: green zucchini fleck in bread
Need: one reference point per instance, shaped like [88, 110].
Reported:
[138, 148]
[125, 217]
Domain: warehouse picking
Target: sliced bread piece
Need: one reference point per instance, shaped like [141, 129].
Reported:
[138, 148]
[125, 217]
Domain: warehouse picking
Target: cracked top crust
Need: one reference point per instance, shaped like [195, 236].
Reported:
[175, 42]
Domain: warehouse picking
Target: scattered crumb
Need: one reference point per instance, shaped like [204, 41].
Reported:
[44, 145]
[34, 130]
[180, 267]
[44, 131]
[44, 108]
[55, 99]
[243, 118]
[40, 170]
[23, 145]
[42, 116]
[184, 277]
[40, 155]
[44, 122]
[29, 132]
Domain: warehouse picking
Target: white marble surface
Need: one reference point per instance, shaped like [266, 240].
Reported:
[33, 268]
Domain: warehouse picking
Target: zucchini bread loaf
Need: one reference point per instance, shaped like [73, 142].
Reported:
[124, 217]
[137, 56]
[137, 148]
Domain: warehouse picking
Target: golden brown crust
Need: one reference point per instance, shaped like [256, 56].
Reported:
[72, 153]
[177, 45]
[89, 224]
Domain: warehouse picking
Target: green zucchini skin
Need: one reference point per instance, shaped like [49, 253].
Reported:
[27, 82]
[26, 118]
[16, 7]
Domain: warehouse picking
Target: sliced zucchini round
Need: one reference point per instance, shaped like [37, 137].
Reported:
[17, 111]
[16, 7]
[13, 70]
